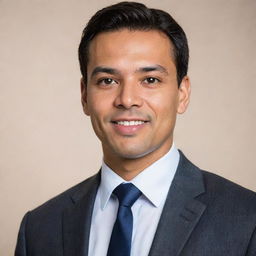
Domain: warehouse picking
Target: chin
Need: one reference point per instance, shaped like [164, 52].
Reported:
[133, 154]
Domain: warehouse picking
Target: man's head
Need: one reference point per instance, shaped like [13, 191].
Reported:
[130, 87]
[135, 16]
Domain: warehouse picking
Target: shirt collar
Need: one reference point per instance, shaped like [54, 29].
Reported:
[153, 182]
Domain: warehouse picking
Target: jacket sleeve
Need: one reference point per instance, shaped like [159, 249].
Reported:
[21, 249]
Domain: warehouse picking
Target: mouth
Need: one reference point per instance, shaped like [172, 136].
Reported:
[130, 122]
[129, 127]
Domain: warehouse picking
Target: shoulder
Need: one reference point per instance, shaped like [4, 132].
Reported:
[228, 196]
[67, 198]
[219, 194]
[217, 189]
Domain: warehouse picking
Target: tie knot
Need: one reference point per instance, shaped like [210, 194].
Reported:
[127, 194]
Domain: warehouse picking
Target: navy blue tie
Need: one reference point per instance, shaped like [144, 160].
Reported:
[120, 241]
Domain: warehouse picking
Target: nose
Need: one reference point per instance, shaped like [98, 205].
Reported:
[128, 96]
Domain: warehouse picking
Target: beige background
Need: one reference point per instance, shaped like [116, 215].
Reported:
[47, 144]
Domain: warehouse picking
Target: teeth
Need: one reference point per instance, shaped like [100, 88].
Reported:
[127, 123]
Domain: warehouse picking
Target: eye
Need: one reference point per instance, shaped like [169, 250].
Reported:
[151, 80]
[106, 81]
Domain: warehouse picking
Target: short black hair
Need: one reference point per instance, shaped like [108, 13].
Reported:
[135, 16]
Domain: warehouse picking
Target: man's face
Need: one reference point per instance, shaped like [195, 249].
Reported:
[132, 95]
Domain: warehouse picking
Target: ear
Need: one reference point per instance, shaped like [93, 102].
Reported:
[83, 88]
[184, 95]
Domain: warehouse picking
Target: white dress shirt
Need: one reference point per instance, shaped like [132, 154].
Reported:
[154, 183]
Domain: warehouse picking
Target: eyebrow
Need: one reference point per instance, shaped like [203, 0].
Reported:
[108, 70]
[153, 68]
[113, 71]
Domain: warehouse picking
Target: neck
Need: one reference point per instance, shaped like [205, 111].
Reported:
[128, 168]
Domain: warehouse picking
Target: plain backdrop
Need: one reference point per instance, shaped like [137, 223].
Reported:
[47, 144]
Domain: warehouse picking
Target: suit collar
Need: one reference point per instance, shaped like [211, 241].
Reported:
[154, 181]
[180, 215]
[181, 212]
[77, 218]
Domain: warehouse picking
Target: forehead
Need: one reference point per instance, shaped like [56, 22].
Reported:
[151, 45]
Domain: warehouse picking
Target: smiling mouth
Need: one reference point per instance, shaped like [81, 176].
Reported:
[130, 123]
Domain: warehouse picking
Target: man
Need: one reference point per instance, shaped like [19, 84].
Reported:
[148, 199]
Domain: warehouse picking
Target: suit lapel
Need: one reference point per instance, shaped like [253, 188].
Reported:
[77, 219]
[181, 212]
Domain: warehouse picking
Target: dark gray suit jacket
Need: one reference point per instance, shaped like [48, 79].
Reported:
[204, 215]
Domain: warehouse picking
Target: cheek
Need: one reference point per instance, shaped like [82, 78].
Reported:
[96, 116]
[96, 104]
[164, 104]
[100, 110]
